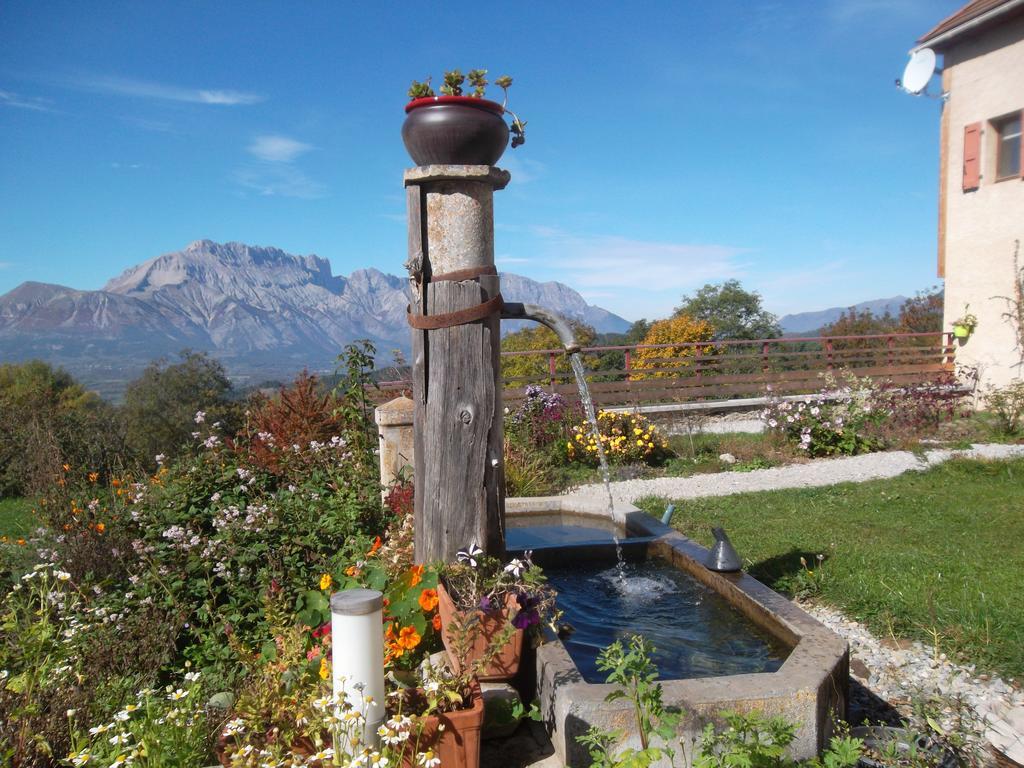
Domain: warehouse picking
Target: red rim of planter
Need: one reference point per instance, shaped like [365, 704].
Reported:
[469, 101]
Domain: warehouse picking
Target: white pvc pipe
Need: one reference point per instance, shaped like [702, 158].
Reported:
[357, 641]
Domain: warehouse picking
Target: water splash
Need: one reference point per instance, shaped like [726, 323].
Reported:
[588, 407]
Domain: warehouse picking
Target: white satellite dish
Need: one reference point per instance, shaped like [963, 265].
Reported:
[919, 70]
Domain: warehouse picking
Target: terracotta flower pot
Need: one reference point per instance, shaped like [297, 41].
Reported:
[458, 743]
[506, 662]
[454, 130]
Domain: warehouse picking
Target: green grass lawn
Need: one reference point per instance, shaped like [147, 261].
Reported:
[936, 555]
[16, 518]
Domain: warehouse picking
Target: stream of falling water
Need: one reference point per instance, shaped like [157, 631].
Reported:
[588, 407]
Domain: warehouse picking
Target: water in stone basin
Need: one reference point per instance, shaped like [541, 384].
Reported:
[696, 633]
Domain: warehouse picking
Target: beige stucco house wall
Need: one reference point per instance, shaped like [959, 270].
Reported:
[981, 230]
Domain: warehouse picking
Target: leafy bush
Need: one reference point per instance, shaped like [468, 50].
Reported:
[47, 419]
[1007, 404]
[851, 415]
[535, 436]
[662, 362]
[627, 438]
[839, 425]
[158, 406]
[540, 337]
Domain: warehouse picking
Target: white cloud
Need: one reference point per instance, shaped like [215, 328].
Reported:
[279, 179]
[511, 260]
[637, 278]
[127, 166]
[6, 264]
[147, 89]
[277, 149]
[35, 103]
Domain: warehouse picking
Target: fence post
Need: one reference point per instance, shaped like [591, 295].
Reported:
[890, 343]
[828, 350]
[551, 368]
[629, 358]
[764, 357]
[698, 354]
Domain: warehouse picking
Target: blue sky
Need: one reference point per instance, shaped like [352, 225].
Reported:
[669, 143]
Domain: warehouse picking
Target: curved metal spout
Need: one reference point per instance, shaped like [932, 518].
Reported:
[514, 310]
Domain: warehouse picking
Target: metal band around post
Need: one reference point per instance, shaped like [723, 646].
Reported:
[451, 319]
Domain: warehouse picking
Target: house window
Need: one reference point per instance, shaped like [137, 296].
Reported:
[1008, 140]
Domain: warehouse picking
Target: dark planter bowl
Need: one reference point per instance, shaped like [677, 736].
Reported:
[454, 130]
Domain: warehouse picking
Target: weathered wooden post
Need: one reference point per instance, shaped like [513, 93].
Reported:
[456, 343]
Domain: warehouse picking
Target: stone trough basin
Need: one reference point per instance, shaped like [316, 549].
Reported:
[766, 654]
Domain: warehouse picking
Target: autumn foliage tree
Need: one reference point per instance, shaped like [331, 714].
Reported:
[680, 331]
[539, 337]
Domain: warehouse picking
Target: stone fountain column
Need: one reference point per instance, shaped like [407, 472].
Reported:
[456, 343]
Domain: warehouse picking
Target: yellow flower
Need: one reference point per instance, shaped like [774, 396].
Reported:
[326, 581]
[325, 670]
[640, 442]
[637, 431]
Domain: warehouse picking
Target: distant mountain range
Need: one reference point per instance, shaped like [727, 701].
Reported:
[263, 312]
[802, 322]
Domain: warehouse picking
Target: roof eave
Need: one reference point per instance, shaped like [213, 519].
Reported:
[944, 39]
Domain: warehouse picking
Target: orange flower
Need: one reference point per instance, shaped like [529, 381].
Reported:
[100, 527]
[21, 543]
[325, 670]
[351, 571]
[408, 638]
[116, 483]
[94, 476]
[375, 546]
[436, 623]
[428, 599]
[415, 575]
[67, 467]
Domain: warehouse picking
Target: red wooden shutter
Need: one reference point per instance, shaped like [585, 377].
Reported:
[972, 156]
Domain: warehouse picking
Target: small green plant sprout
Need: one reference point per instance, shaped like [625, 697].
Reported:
[630, 667]
[453, 82]
[420, 90]
[478, 79]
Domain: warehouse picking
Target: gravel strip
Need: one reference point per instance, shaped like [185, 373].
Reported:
[887, 675]
[820, 472]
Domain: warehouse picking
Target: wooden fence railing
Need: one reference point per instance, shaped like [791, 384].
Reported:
[723, 370]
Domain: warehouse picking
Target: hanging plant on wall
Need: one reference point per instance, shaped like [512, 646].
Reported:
[964, 325]
[456, 128]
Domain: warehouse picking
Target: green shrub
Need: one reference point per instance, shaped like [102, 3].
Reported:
[836, 421]
[47, 419]
[1007, 404]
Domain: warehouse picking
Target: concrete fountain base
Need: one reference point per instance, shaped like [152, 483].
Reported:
[810, 688]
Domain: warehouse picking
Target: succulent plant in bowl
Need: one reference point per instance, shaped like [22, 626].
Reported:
[459, 129]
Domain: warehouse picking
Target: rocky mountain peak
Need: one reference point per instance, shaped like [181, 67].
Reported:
[256, 308]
